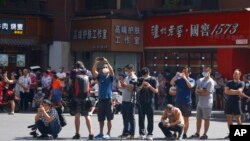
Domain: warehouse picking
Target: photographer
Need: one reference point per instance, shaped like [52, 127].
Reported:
[105, 79]
[47, 120]
[148, 86]
[126, 85]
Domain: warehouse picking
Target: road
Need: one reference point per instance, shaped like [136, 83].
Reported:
[14, 127]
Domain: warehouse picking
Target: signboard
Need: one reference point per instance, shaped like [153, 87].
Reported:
[107, 34]
[4, 60]
[200, 29]
[12, 26]
[20, 60]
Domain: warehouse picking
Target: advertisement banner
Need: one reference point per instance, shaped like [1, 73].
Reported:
[199, 29]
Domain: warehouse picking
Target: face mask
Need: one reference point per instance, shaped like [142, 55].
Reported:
[205, 74]
[126, 73]
[105, 70]
[169, 114]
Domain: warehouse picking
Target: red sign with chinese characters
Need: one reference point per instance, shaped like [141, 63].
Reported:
[199, 29]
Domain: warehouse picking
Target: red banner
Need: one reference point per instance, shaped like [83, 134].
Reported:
[199, 29]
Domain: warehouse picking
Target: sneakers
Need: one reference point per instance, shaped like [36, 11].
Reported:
[11, 113]
[107, 137]
[142, 137]
[130, 137]
[76, 136]
[43, 136]
[195, 136]
[34, 134]
[184, 136]
[91, 137]
[99, 136]
[150, 137]
[171, 137]
[203, 137]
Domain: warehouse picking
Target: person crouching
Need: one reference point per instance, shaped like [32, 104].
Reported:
[172, 120]
[47, 120]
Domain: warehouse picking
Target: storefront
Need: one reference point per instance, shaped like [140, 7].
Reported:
[120, 41]
[24, 41]
[218, 39]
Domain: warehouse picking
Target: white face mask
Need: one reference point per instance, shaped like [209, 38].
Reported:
[205, 74]
[169, 114]
[105, 70]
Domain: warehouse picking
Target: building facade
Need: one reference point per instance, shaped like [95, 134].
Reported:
[67, 30]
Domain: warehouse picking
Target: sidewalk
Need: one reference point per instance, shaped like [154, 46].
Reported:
[215, 114]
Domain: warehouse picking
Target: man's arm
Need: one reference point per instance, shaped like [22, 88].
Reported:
[232, 92]
[172, 82]
[189, 84]
[111, 71]
[94, 68]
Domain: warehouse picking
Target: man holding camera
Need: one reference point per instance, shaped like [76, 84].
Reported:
[183, 101]
[47, 120]
[126, 86]
[148, 87]
[105, 79]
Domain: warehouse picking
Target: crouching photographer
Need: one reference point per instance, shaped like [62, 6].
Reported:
[47, 121]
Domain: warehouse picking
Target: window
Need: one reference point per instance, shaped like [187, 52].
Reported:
[127, 4]
[100, 4]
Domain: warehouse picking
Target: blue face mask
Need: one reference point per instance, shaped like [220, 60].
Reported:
[126, 73]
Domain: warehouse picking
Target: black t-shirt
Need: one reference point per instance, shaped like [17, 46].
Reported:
[146, 95]
[234, 86]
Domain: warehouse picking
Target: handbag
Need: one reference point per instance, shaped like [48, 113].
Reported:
[172, 91]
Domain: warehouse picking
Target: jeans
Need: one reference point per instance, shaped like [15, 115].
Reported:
[53, 128]
[167, 130]
[128, 118]
[143, 110]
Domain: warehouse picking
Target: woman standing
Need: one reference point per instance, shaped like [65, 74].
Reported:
[9, 89]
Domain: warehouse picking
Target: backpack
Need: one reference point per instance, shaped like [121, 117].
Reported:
[82, 86]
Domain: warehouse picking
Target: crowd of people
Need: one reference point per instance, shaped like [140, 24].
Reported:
[43, 93]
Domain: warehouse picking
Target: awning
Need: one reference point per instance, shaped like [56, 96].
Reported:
[18, 42]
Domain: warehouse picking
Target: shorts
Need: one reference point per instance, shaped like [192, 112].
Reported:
[78, 105]
[233, 108]
[105, 110]
[186, 109]
[203, 113]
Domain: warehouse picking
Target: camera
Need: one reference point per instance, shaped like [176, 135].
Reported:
[134, 82]
[100, 58]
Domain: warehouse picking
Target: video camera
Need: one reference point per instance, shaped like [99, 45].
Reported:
[134, 82]
[138, 82]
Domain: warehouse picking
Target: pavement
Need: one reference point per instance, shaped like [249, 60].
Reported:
[14, 127]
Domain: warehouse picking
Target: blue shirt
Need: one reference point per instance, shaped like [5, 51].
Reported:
[105, 86]
[183, 92]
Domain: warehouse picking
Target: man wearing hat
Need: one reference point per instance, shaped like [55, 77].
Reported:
[47, 120]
